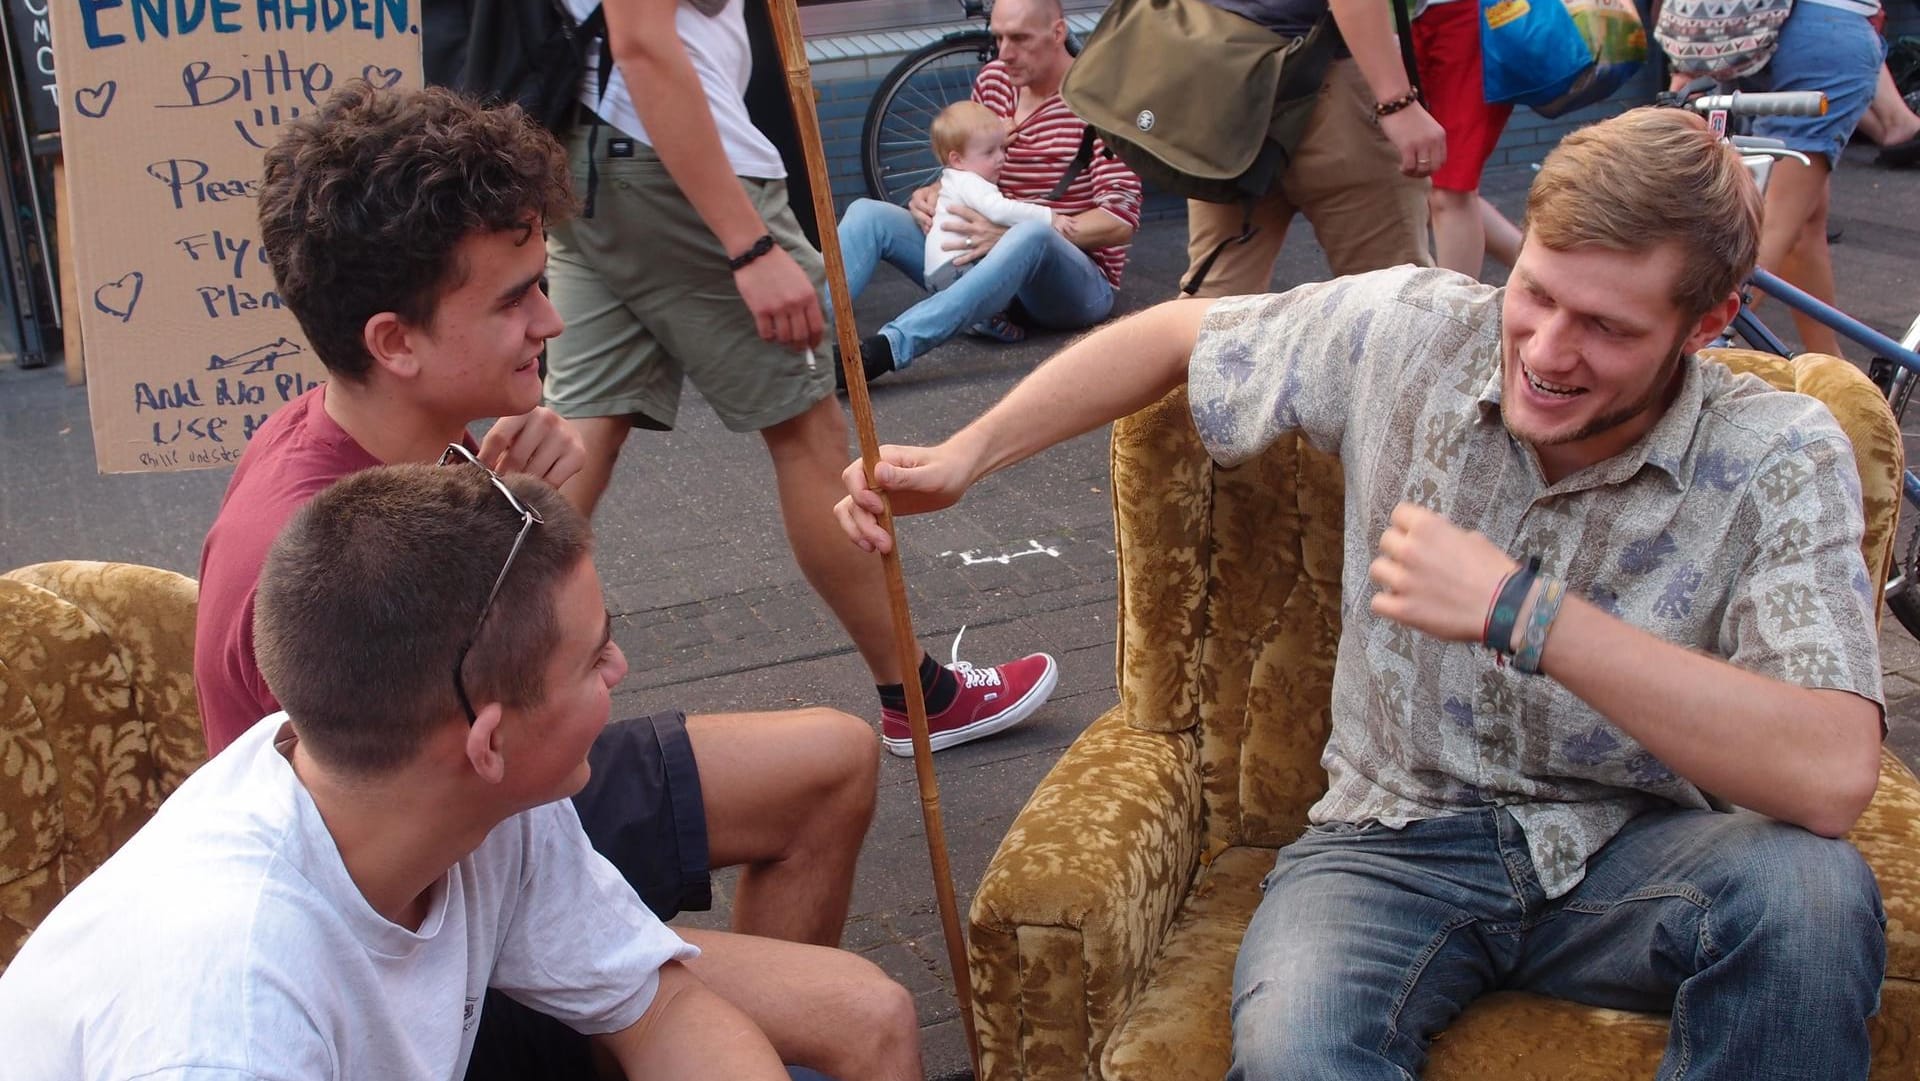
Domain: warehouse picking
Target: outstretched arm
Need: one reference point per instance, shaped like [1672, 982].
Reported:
[979, 194]
[1116, 370]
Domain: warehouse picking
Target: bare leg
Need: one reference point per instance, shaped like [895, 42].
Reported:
[1503, 237]
[1459, 241]
[788, 798]
[825, 1009]
[1793, 240]
[603, 437]
[1888, 120]
[809, 452]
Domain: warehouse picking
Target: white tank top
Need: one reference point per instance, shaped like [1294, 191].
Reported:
[717, 45]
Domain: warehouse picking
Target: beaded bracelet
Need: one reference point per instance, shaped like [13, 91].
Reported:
[1545, 608]
[1388, 108]
[1506, 607]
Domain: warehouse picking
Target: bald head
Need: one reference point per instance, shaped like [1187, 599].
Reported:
[1032, 38]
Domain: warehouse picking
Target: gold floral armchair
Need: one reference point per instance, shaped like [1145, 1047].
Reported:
[98, 722]
[1105, 928]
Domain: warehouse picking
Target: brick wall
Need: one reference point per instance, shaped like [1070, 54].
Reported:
[842, 89]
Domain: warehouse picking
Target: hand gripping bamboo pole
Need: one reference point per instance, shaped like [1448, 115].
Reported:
[793, 57]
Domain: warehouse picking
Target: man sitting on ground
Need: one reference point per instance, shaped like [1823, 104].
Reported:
[1595, 590]
[405, 231]
[1060, 283]
[332, 897]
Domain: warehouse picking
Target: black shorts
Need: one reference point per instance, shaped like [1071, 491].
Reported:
[643, 811]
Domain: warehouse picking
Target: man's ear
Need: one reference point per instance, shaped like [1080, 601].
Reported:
[483, 744]
[1709, 325]
[390, 341]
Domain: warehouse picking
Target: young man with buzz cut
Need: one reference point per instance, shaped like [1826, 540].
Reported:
[1546, 491]
[333, 895]
[406, 232]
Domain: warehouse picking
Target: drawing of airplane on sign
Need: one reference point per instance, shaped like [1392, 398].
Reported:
[261, 358]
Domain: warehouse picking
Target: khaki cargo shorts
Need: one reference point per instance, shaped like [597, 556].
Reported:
[649, 303]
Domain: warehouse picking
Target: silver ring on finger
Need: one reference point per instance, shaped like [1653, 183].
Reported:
[969, 242]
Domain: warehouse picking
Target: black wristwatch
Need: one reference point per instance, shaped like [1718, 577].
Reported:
[760, 248]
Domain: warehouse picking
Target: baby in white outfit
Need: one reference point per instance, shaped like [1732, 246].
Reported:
[971, 142]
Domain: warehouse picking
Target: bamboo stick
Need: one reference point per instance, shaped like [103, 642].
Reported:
[793, 56]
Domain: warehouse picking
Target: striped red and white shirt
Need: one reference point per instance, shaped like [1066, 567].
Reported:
[1040, 149]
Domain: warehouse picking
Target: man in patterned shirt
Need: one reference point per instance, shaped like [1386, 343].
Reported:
[1565, 832]
[1059, 283]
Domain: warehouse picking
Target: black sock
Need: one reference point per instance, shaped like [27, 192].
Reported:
[937, 684]
[876, 356]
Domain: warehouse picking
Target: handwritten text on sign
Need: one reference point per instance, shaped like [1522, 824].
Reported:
[167, 107]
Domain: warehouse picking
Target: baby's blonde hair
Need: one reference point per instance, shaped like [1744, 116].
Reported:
[957, 124]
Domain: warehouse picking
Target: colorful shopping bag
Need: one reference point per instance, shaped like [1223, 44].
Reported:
[1531, 50]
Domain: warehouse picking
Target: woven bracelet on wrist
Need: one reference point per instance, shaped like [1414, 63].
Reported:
[760, 248]
[1506, 608]
[1545, 608]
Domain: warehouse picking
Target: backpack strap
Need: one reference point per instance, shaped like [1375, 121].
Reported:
[1404, 26]
[596, 24]
[1082, 158]
[1247, 230]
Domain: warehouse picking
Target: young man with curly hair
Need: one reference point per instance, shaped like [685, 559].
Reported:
[406, 232]
[333, 896]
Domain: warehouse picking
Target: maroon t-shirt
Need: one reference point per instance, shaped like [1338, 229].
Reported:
[294, 455]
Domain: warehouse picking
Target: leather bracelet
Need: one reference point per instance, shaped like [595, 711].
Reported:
[760, 248]
[1506, 608]
[1388, 108]
[1534, 642]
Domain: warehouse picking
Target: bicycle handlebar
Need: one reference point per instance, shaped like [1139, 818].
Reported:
[1777, 103]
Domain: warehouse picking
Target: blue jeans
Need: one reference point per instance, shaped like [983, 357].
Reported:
[1765, 942]
[1057, 283]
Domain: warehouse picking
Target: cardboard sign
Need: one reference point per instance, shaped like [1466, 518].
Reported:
[166, 110]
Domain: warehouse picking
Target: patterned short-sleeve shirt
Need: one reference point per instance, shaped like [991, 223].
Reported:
[1732, 527]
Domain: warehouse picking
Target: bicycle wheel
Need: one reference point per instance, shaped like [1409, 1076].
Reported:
[1903, 590]
[895, 157]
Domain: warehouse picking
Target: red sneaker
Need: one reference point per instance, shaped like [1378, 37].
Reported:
[990, 700]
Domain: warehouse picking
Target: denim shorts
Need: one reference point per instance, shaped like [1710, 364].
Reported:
[1826, 49]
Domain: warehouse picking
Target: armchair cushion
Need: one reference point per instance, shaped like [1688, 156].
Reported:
[1179, 1029]
[98, 722]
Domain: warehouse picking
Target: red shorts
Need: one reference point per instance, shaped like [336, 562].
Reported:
[1446, 46]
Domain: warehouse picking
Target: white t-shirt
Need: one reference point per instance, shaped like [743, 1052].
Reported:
[225, 940]
[975, 192]
[717, 45]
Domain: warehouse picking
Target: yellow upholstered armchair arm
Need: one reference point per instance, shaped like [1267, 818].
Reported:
[97, 718]
[1079, 897]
